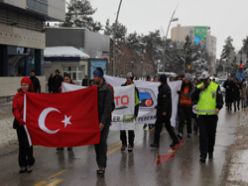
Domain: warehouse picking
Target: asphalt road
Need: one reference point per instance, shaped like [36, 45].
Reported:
[143, 167]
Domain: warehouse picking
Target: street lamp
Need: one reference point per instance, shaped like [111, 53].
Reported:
[114, 39]
[172, 19]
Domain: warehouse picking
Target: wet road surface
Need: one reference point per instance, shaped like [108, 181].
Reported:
[139, 168]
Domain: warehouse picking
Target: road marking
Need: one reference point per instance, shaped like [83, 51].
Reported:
[57, 174]
[41, 183]
[114, 148]
[55, 182]
[52, 180]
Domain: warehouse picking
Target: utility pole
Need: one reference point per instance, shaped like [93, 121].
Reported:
[115, 41]
[172, 19]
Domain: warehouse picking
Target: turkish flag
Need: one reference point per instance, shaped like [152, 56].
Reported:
[63, 119]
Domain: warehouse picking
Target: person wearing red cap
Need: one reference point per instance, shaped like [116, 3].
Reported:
[25, 157]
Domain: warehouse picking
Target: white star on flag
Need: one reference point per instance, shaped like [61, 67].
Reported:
[67, 121]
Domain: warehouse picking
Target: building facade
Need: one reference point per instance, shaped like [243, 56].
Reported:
[199, 35]
[94, 44]
[22, 33]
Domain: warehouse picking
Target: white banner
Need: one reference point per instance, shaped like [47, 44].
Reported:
[148, 92]
[123, 115]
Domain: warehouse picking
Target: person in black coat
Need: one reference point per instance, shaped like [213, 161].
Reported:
[50, 83]
[105, 108]
[56, 82]
[164, 110]
[35, 82]
[236, 95]
[229, 89]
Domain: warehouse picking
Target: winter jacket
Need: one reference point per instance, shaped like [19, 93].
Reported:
[36, 84]
[229, 91]
[17, 108]
[56, 83]
[105, 100]
[185, 95]
[164, 101]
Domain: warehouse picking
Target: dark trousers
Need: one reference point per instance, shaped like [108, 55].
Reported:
[207, 125]
[101, 148]
[123, 137]
[25, 157]
[236, 104]
[229, 106]
[185, 115]
[169, 128]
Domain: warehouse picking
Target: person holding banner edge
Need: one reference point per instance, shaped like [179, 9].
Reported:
[25, 157]
[105, 108]
[131, 134]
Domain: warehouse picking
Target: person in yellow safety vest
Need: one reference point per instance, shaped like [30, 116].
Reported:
[131, 134]
[208, 99]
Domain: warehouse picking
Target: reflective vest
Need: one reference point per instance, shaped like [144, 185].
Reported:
[207, 100]
[185, 98]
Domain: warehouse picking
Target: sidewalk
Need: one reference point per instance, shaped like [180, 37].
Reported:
[236, 168]
[7, 133]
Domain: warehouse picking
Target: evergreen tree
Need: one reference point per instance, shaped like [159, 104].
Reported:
[108, 29]
[245, 46]
[79, 14]
[228, 55]
[120, 31]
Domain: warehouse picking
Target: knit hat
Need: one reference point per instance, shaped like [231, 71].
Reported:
[98, 72]
[130, 75]
[26, 80]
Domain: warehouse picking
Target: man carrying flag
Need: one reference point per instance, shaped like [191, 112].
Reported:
[105, 107]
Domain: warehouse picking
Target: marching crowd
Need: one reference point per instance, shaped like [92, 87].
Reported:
[199, 104]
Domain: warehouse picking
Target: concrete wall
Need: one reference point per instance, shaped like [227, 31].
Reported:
[92, 43]
[9, 85]
[10, 35]
[54, 9]
[95, 44]
[17, 3]
[65, 37]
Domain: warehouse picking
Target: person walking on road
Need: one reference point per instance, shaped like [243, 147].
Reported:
[229, 89]
[131, 134]
[208, 98]
[164, 110]
[185, 106]
[25, 158]
[105, 104]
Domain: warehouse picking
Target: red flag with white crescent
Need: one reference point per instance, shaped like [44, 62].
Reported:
[63, 119]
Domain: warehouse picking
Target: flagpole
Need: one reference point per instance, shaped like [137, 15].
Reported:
[25, 119]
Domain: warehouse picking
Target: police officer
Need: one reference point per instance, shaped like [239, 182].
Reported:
[208, 99]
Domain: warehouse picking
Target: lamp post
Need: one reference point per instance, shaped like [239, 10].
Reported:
[172, 19]
[114, 39]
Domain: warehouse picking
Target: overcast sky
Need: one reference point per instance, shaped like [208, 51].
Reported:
[225, 17]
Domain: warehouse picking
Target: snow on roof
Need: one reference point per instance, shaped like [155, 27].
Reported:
[64, 51]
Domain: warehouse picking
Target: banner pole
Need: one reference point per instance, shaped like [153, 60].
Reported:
[25, 120]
